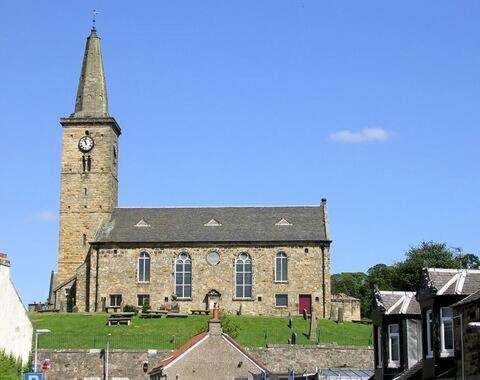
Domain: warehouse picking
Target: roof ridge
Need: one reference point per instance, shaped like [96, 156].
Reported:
[453, 270]
[185, 207]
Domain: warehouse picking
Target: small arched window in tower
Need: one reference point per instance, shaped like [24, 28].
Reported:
[84, 240]
[281, 267]
[183, 276]
[144, 267]
[89, 163]
[87, 133]
[84, 163]
[85, 190]
[243, 276]
[115, 153]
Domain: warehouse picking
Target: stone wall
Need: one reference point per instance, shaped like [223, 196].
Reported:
[350, 307]
[117, 274]
[279, 358]
[86, 198]
[471, 341]
[127, 364]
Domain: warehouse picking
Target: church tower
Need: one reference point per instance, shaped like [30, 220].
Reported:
[89, 172]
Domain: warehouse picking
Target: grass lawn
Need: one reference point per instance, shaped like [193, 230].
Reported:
[82, 330]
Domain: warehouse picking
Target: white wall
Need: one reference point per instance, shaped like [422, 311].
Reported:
[15, 326]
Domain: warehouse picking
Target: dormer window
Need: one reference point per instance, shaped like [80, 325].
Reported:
[283, 222]
[142, 223]
[213, 223]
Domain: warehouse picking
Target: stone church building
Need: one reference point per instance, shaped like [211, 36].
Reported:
[260, 260]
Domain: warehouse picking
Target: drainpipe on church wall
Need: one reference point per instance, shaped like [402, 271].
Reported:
[323, 280]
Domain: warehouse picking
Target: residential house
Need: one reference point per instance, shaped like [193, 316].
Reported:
[209, 355]
[397, 332]
[439, 289]
[467, 336]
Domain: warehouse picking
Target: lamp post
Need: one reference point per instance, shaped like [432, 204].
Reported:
[106, 356]
[37, 333]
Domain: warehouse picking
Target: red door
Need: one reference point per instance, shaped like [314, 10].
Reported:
[305, 302]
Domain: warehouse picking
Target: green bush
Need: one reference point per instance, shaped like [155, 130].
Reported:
[229, 325]
[146, 307]
[130, 309]
[10, 368]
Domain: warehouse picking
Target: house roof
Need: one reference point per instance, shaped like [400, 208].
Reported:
[196, 341]
[451, 281]
[471, 298]
[343, 297]
[215, 224]
[394, 302]
[181, 350]
[411, 372]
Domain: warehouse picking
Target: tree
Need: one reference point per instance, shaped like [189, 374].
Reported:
[427, 254]
[382, 275]
[349, 283]
[468, 260]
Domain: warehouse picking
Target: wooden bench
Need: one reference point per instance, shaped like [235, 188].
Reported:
[200, 312]
[119, 321]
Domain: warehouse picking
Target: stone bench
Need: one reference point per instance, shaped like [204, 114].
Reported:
[119, 321]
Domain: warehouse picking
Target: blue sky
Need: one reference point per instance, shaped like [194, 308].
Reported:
[373, 105]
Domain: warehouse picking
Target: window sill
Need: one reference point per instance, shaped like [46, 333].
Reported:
[446, 354]
[280, 282]
[184, 299]
[393, 365]
[281, 307]
[243, 299]
[143, 282]
[429, 355]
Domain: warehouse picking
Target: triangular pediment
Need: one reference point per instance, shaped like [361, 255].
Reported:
[142, 223]
[283, 222]
[213, 223]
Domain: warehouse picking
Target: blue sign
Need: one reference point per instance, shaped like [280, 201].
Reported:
[33, 376]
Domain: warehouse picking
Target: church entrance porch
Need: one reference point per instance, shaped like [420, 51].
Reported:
[304, 303]
[212, 298]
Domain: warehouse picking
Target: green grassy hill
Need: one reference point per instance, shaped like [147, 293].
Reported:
[82, 330]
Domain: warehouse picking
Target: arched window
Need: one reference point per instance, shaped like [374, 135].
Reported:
[281, 267]
[183, 276]
[144, 267]
[243, 276]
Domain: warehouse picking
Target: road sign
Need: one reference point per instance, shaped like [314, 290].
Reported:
[46, 365]
[33, 376]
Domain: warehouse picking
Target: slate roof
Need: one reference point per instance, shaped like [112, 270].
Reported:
[411, 373]
[453, 281]
[394, 302]
[475, 297]
[194, 341]
[215, 224]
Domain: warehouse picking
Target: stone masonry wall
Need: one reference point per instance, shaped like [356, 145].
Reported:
[117, 274]
[471, 342]
[278, 358]
[127, 364]
[86, 198]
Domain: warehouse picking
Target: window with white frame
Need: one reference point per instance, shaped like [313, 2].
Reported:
[379, 347]
[393, 346]
[429, 323]
[281, 267]
[446, 330]
[115, 300]
[281, 300]
[183, 276]
[144, 267]
[243, 276]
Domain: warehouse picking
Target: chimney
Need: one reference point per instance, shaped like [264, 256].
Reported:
[3, 260]
[215, 324]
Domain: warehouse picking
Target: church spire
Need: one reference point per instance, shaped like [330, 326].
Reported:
[92, 90]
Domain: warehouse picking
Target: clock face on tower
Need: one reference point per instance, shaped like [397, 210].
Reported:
[86, 144]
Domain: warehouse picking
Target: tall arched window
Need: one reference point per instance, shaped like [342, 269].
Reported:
[243, 276]
[144, 267]
[281, 267]
[183, 276]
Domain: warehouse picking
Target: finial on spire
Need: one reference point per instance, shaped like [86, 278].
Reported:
[95, 13]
